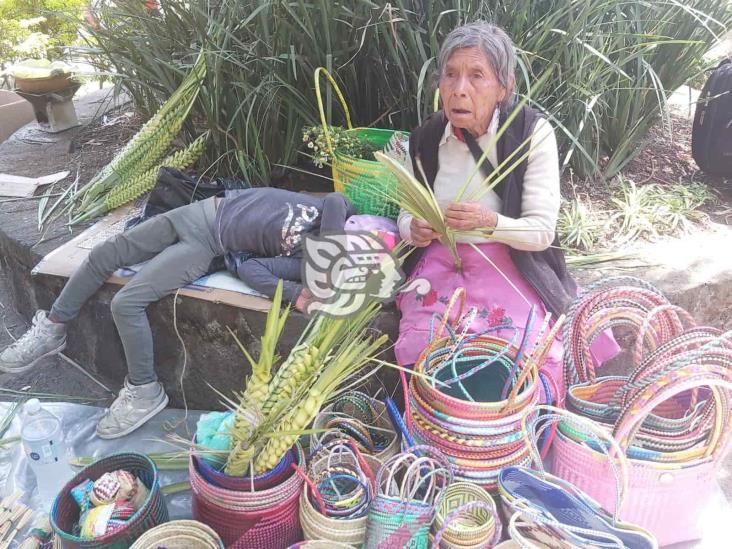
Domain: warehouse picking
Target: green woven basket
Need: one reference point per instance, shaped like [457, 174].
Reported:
[366, 183]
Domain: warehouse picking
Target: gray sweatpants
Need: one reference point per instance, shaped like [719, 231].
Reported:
[180, 245]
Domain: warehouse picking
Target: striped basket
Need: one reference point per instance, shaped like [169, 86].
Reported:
[320, 544]
[366, 183]
[65, 511]
[479, 433]
[180, 534]
[377, 416]
[466, 519]
[245, 518]
[397, 517]
[266, 480]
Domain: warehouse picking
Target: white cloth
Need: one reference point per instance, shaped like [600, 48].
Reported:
[534, 230]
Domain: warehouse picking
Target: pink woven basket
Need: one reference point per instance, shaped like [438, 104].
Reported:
[667, 499]
[250, 519]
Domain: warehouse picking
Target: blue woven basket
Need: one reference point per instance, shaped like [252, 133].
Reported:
[65, 510]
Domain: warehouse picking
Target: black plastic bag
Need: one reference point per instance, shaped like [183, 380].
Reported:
[174, 189]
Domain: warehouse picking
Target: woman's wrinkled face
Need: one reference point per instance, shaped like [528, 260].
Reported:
[470, 90]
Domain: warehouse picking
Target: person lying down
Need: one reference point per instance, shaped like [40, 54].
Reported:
[260, 229]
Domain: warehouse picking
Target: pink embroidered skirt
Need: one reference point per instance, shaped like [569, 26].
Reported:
[496, 301]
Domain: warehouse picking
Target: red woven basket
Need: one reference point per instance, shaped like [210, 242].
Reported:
[65, 511]
[246, 519]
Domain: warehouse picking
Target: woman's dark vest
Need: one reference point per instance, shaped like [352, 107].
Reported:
[545, 271]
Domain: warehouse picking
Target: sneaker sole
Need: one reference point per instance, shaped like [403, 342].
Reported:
[32, 364]
[148, 417]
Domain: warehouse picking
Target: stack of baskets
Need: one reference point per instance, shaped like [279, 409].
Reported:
[671, 415]
[335, 500]
[363, 419]
[471, 410]
[180, 534]
[250, 512]
[65, 510]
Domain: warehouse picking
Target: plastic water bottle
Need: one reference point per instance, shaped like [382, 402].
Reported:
[43, 442]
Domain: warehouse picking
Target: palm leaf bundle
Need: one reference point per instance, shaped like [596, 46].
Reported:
[134, 169]
[419, 201]
[274, 410]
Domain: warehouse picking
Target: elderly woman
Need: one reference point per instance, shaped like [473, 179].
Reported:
[476, 82]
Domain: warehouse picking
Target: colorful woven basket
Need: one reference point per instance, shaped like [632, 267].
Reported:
[353, 414]
[475, 420]
[180, 534]
[545, 505]
[245, 518]
[366, 183]
[409, 489]
[341, 484]
[655, 487]
[259, 482]
[65, 511]
[466, 518]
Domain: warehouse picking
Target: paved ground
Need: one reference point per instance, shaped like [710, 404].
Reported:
[53, 375]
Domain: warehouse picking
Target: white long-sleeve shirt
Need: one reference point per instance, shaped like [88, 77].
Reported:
[534, 230]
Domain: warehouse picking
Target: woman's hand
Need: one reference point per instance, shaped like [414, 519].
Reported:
[468, 216]
[421, 233]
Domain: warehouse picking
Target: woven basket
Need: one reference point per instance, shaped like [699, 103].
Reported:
[180, 534]
[467, 517]
[320, 544]
[260, 482]
[65, 511]
[343, 529]
[655, 490]
[366, 183]
[382, 422]
[244, 519]
[315, 526]
[396, 517]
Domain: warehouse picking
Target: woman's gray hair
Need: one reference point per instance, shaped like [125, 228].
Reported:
[493, 42]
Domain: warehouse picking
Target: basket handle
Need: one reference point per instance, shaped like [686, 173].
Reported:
[718, 379]
[538, 523]
[308, 483]
[532, 361]
[664, 360]
[469, 506]
[677, 320]
[321, 109]
[609, 446]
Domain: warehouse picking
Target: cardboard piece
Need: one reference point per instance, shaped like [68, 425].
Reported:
[218, 288]
[23, 187]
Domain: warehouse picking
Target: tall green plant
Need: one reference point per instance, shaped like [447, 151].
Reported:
[616, 61]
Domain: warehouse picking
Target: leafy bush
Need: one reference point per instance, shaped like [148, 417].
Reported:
[612, 64]
[37, 28]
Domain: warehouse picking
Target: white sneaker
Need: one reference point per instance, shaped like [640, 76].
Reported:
[134, 406]
[45, 338]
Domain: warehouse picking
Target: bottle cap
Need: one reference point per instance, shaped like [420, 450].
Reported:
[33, 406]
